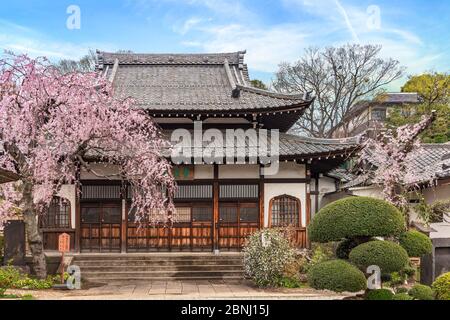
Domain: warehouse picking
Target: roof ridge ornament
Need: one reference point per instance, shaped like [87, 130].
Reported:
[235, 90]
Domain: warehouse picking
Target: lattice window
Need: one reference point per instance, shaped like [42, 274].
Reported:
[228, 213]
[58, 214]
[249, 214]
[194, 192]
[202, 213]
[285, 211]
[183, 214]
[239, 191]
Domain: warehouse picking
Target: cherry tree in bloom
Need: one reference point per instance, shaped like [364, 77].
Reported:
[54, 125]
[386, 160]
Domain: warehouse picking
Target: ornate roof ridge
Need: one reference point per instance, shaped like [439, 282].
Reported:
[274, 94]
[108, 58]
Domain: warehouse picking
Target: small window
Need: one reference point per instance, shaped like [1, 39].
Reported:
[183, 214]
[202, 213]
[379, 115]
[58, 214]
[285, 211]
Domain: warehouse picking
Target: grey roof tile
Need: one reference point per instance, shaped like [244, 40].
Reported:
[191, 82]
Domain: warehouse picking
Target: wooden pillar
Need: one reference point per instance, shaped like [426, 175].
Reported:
[123, 231]
[216, 207]
[308, 202]
[77, 224]
[261, 198]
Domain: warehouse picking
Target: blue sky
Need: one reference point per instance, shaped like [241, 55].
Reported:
[417, 33]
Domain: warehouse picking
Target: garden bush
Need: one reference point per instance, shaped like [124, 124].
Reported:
[265, 262]
[336, 275]
[441, 287]
[389, 256]
[379, 294]
[12, 278]
[320, 253]
[402, 296]
[356, 217]
[421, 292]
[344, 247]
[401, 290]
[415, 243]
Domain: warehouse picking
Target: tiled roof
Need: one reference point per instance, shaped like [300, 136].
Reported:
[7, 176]
[390, 98]
[191, 82]
[431, 162]
[293, 146]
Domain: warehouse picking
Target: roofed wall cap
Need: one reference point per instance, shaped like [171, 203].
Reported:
[234, 58]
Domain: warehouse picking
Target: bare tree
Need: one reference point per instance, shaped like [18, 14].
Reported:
[338, 78]
[85, 64]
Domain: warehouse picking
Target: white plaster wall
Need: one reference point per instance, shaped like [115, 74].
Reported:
[204, 172]
[289, 170]
[68, 192]
[239, 171]
[326, 185]
[101, 169]
[372, 191]
[272, 190]
[439, 193]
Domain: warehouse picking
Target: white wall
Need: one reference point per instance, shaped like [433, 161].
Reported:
[439, 193]
[289, 170]
[239, 171]
[272, 190]
[204, 172]
[68, 192]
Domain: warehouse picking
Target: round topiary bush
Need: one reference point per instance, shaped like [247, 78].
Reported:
[356, 217]
[266, 256]
[379, 294]
[402, 296]
[336, 275]
[344, 247]
[389, 256]
[421, 292]
[415, 243]
[441, 287]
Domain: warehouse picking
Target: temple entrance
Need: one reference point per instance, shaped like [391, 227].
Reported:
[101, 227]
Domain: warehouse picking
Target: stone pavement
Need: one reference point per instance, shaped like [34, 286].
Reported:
[183, 290]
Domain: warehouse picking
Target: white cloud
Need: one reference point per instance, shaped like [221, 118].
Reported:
[20, 39]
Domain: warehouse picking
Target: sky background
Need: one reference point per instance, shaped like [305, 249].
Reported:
[417, 33]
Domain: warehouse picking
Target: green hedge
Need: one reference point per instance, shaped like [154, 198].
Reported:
[336, 275]
[415, 243]
[356, 217]
[441, 287]
[402, 296]
[421, 292]
[344, 247]
[379, 294]
[389, 256]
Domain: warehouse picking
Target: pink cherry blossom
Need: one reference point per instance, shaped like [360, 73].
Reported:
[52, 125]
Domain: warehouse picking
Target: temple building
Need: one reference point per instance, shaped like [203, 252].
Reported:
[219, 203]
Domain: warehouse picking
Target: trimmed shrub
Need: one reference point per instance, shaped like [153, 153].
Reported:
[336, 275]
[356, 217]
[389, 256]
[401, 290]
[441, 287]
[415, 243]
[402, 296]
[344, 247]
[379, 294]
[421, 292]
[265, 262]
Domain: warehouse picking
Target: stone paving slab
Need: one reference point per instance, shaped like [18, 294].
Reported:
[184, 290]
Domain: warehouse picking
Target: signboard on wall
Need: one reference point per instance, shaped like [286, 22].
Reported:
[183, 172]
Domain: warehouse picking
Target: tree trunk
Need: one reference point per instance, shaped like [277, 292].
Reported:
[33, 234]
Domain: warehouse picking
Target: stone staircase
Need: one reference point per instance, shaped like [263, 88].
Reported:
[147, 267]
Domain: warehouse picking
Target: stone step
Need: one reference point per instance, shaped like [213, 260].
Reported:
[160, 274]
[157, 257]
[177, 278]
[109, 268]
[88, 263]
